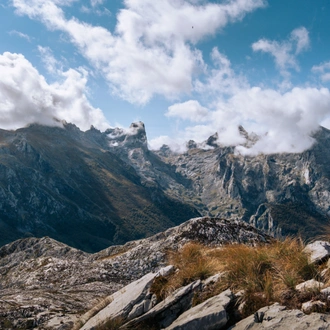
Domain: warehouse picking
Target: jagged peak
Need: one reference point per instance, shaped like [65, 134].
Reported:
[134, 136]
[191, 144]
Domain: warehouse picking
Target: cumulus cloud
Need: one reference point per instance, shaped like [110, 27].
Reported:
[190, 110]
[285, 52]
[323, 70]
[48, 59]
[283, 121]
[221, 78]
[26, 97]
[152, 50]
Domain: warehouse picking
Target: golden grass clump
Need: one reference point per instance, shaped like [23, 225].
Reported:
[192, 262]
[265, 274]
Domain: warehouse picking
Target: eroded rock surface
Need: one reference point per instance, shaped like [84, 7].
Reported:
[211, 314]
[277, 317]
[44, 280]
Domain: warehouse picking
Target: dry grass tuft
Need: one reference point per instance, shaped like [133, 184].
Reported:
[265, 274]
[192, 262]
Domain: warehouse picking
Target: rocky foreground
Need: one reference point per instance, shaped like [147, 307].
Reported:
[45, 284]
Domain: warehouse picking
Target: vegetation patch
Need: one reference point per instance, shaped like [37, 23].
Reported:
[259, 275]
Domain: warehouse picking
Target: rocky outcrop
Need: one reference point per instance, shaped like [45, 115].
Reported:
[311, 285]
[47, 285]
[211, 314]
[277, 317]
[44, 280]
[168, 310]
[130, 302]
[318, 251]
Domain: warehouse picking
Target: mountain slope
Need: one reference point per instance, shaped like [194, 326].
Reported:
[63, 183]
[44, 281]
[92, 189]
[284, 194]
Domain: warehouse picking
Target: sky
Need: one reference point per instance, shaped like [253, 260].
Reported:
[186, 68]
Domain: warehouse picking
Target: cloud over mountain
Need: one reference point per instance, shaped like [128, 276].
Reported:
[155, 50]
[26, 97]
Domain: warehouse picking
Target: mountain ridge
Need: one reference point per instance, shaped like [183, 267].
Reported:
[93, 189]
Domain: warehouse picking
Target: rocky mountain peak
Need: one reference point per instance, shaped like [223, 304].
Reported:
[133, 137]
[212, 141]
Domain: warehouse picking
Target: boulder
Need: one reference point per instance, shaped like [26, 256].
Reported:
[169, 309]
[326, 291]
[209, 315]
[276, 317]
[313, 306]
[129, 301]
[310, 285]
[318, 251]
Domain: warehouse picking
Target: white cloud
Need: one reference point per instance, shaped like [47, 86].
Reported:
[301, 37]
[95, 3]
[190, 110]
[20, 34]
[152, 50]
[285, 52]
[221, 78]
[26, 97]
[48, 59]
[323, 70]
[284, 121]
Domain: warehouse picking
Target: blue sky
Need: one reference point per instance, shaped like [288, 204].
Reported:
[186, 68]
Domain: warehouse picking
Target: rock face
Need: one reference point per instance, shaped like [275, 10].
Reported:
[69, 185]
[281, 193]
[276, 317]
[318, 251]
[210, 314]
[46, 282]
[132, 301]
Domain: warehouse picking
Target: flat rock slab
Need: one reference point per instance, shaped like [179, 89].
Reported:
[123, 301]
[275, 317]
[209, 315]
[169, 309]
[318, 251]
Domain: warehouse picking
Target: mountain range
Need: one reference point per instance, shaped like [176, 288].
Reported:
[94, 189]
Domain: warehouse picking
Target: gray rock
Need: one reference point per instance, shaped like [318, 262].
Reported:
[276, 317]
[130, 299]
[53, 279]
[318, 251]
[164, 313]
[209, 315]
[313, 306]
[310, 285]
